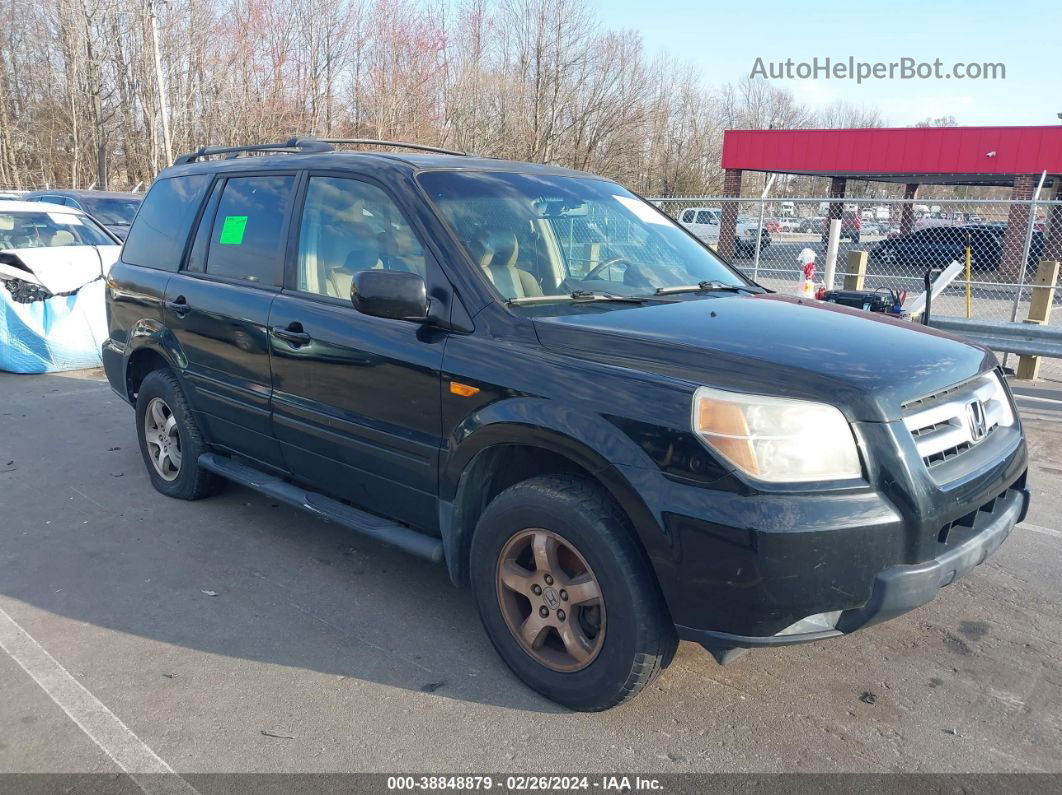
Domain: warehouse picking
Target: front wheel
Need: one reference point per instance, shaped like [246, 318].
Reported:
[566, 596]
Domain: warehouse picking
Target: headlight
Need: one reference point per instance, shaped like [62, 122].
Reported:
[776, 439]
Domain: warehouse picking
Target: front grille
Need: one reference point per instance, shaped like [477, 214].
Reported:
[952, 422]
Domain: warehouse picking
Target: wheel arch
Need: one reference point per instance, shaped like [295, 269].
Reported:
[507, 448]
[151, 347]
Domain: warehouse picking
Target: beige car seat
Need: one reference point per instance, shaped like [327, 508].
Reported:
[62, 238]
[497, 252]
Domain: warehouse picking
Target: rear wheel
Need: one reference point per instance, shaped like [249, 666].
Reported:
[170, 439]
[565, 594]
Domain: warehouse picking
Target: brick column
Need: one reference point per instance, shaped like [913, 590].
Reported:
[728, 223]
[1053, 228]
[1017, 224]
[907, 214]
[837, 189]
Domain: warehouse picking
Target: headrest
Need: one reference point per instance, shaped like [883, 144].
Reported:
[496, 248]
[364, 257]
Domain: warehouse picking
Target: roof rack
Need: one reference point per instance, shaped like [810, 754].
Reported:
[395, 144]
[303, 146]
[291, 146]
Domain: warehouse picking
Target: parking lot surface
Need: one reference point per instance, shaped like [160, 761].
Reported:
[235, 634]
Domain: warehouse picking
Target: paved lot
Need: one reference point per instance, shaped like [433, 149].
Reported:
[322, 651]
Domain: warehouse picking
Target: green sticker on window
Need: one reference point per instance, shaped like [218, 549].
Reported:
[232, 230]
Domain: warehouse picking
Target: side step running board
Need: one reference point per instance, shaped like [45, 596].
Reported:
[325, 507]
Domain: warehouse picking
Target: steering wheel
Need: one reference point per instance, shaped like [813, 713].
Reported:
[607, 264]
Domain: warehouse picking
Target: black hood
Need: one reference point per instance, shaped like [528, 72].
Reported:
[866, 364]
[118, 230]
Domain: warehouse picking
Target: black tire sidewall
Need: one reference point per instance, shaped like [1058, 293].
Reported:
[632, 610]
[163, 384]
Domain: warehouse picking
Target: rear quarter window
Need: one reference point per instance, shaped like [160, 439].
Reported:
[158, 236]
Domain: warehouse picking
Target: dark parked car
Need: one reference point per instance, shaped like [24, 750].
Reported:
[541, 381]
[112, 209]
[941, 245]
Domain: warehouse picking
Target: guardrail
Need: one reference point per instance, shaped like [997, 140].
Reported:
[1025, 339]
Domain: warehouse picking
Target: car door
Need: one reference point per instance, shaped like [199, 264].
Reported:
[217, 306]
[913, 248]
[356, 400]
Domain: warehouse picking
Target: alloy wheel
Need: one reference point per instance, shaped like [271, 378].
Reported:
[550, 600]
[163, 439]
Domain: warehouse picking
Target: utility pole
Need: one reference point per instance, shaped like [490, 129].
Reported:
[160, 82]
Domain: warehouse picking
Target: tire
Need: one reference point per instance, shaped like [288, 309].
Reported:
[635, 638]
[180, 476]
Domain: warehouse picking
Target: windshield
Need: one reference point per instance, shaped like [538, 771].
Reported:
[48, 229]
[545, 235]
[118, 212]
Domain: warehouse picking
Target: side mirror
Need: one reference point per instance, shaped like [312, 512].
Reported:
[397, 295]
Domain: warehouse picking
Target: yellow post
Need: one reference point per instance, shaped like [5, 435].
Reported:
[856, 271]
[1043, 297]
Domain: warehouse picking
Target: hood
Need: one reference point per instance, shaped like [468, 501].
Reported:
[118, 230]
[60, 269]
[866, 364]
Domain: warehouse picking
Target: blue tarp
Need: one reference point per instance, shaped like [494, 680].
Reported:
[59, 333]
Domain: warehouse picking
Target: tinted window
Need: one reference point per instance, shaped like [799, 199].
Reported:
[250, 229]
[158, 237]
[350, 226]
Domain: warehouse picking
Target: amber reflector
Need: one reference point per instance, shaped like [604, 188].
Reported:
[464, 390]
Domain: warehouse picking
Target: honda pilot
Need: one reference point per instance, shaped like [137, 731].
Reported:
[533, 377]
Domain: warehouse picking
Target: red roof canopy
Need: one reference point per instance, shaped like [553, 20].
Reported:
[942, 155]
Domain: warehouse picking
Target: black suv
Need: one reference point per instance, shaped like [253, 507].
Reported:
[538, 379]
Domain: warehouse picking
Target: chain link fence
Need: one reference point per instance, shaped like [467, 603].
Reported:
[1006, 240]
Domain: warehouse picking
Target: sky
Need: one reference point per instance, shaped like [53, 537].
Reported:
[724, 40]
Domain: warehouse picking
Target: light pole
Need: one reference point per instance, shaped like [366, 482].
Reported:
[160, 82]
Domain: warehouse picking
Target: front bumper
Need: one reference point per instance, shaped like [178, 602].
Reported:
[741, 567]
[896, 589]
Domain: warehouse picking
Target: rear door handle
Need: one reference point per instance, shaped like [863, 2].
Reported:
[179, 306]
[296, 336]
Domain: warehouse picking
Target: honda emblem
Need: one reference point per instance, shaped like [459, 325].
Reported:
[975, 412]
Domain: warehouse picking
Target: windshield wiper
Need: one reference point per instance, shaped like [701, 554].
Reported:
[578, 296]
[707, 287]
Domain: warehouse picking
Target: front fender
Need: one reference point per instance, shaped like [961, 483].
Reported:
[588, 440]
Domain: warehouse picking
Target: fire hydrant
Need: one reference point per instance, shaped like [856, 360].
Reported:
[806, 258]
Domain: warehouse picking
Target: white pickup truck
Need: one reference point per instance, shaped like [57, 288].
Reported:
[704, 223]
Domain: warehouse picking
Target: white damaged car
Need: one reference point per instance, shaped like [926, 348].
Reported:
[53, 261]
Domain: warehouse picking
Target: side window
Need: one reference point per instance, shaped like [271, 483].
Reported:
[705, 217]
[688, 216]
[250, 229]
[350, 226]
[158, 236]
